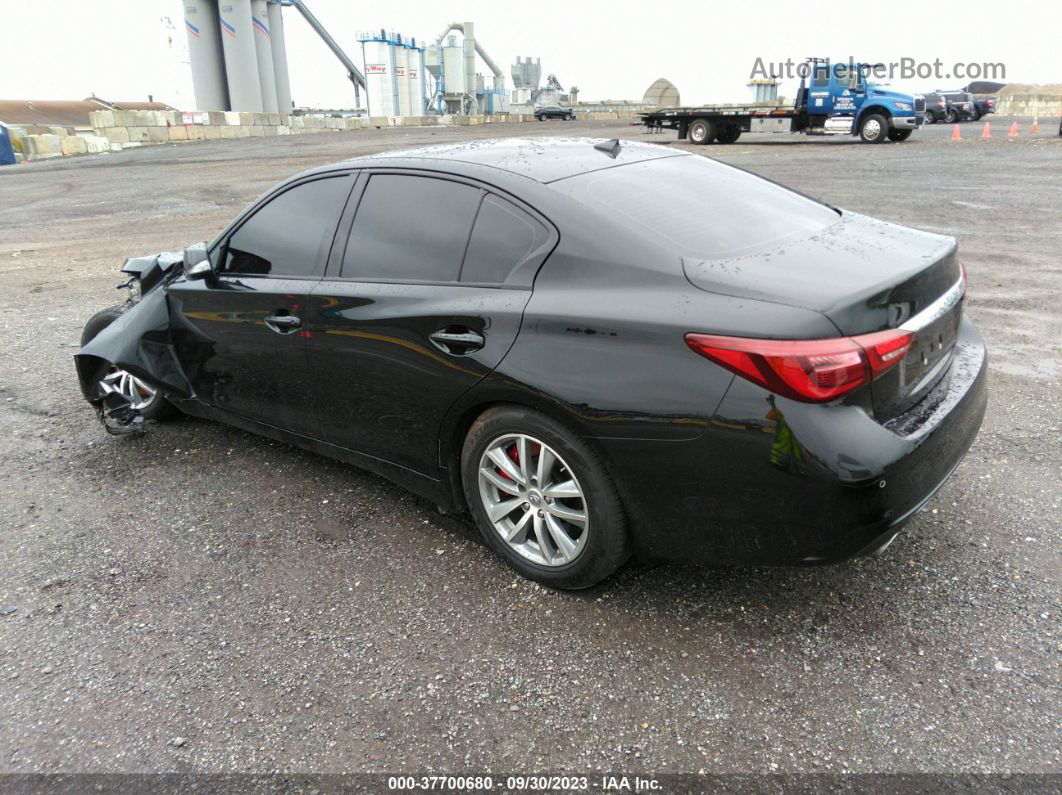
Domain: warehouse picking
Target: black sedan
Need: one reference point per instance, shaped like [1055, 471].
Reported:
[596, 348]
[554, 112]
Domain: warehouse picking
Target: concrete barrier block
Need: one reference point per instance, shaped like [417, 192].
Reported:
[116, 147]
[195, 132]
[246, 119]
[117, 135]
[378, 121]
[244, 131]
[138, 134]
[257, 131]
[232, 117]
[228, 131]
[293, 122]
[216, 118]
[260, 118]
[159, 135]
[211, 131]
[273, 119]
[101, 118]
[283, 129]
[39, 147]
[269, 130]
[96, 144]
[178, 133]
[72, 145]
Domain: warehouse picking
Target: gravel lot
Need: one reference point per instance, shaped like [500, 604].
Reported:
[203, 599]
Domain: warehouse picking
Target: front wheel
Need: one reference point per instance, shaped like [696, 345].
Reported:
[929, 118]
[141, 396]
[543, 498]
[874, 129]
[899, 135]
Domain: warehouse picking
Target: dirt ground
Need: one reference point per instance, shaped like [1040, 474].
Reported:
[203, 599]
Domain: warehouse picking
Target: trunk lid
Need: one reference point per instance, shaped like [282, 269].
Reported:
[865, 275]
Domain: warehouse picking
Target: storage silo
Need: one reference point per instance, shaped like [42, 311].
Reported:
[401, 54]
[377, 51]
[280, 57]
[241, 59]
[204, 53]
[415, 76]
[263, 48]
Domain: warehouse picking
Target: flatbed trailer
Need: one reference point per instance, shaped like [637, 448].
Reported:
[838, 101]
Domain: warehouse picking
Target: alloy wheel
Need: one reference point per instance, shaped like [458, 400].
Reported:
[533, 499]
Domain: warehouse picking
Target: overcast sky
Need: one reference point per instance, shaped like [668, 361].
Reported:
[127, 49]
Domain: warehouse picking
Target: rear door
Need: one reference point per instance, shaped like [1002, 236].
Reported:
[423, 298]
[240, 336]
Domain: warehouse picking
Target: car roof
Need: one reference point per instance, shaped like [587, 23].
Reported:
[545, 159]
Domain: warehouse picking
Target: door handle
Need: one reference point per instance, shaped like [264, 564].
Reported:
[457, 340]
[283, 324]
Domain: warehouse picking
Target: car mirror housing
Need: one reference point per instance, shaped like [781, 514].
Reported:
[197, 261]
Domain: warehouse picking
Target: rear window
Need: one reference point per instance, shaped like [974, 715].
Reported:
[699, 207]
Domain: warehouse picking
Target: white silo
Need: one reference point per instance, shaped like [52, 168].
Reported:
[204, 53]
[264, 54]
[415, 76]
[241, 59]
[401, 55]
[280, 58]
[378, 56]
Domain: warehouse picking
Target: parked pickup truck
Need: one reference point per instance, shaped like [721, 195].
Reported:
[840, 100]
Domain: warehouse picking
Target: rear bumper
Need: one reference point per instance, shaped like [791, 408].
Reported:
[776, 482]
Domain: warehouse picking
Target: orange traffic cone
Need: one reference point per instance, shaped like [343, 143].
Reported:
[1035, 127]
[986, 134]
[955, 135]
[1013, 130]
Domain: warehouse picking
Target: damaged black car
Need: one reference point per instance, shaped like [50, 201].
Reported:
[596, 349]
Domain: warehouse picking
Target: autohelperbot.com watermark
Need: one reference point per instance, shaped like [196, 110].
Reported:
[903, 69]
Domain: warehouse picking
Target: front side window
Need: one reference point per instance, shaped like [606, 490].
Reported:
[410, 228]
[290, 235]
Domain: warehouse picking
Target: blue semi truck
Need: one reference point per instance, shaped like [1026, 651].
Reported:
[833, 99]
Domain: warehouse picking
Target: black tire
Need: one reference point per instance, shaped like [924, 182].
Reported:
[567, 117]
[929, 118]
[869, 133]
[728, 134]
[701, 132]
[606, 545]
[951, 116]
[160, 408]
[899, 135]
[541, 117]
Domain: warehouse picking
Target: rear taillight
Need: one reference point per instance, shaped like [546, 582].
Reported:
[811, 371]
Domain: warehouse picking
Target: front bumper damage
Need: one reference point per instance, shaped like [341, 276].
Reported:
[138, 342]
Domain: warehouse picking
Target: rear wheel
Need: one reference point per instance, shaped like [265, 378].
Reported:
[728, 134]
[899, 135]
[543, 499]
[567, 117]
[874, 129]
[702, 131]
[141, 396]
[951, 116]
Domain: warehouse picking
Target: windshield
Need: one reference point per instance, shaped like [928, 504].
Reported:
[699, 207]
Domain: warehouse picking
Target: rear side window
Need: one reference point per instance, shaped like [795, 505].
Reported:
[503, 238]
[698, 207]
[410, 228]
[291, 234]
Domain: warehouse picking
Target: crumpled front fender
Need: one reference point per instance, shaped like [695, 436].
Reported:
[138, 342]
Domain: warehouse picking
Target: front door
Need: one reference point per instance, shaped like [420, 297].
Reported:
[240, 336]
[422, 302]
